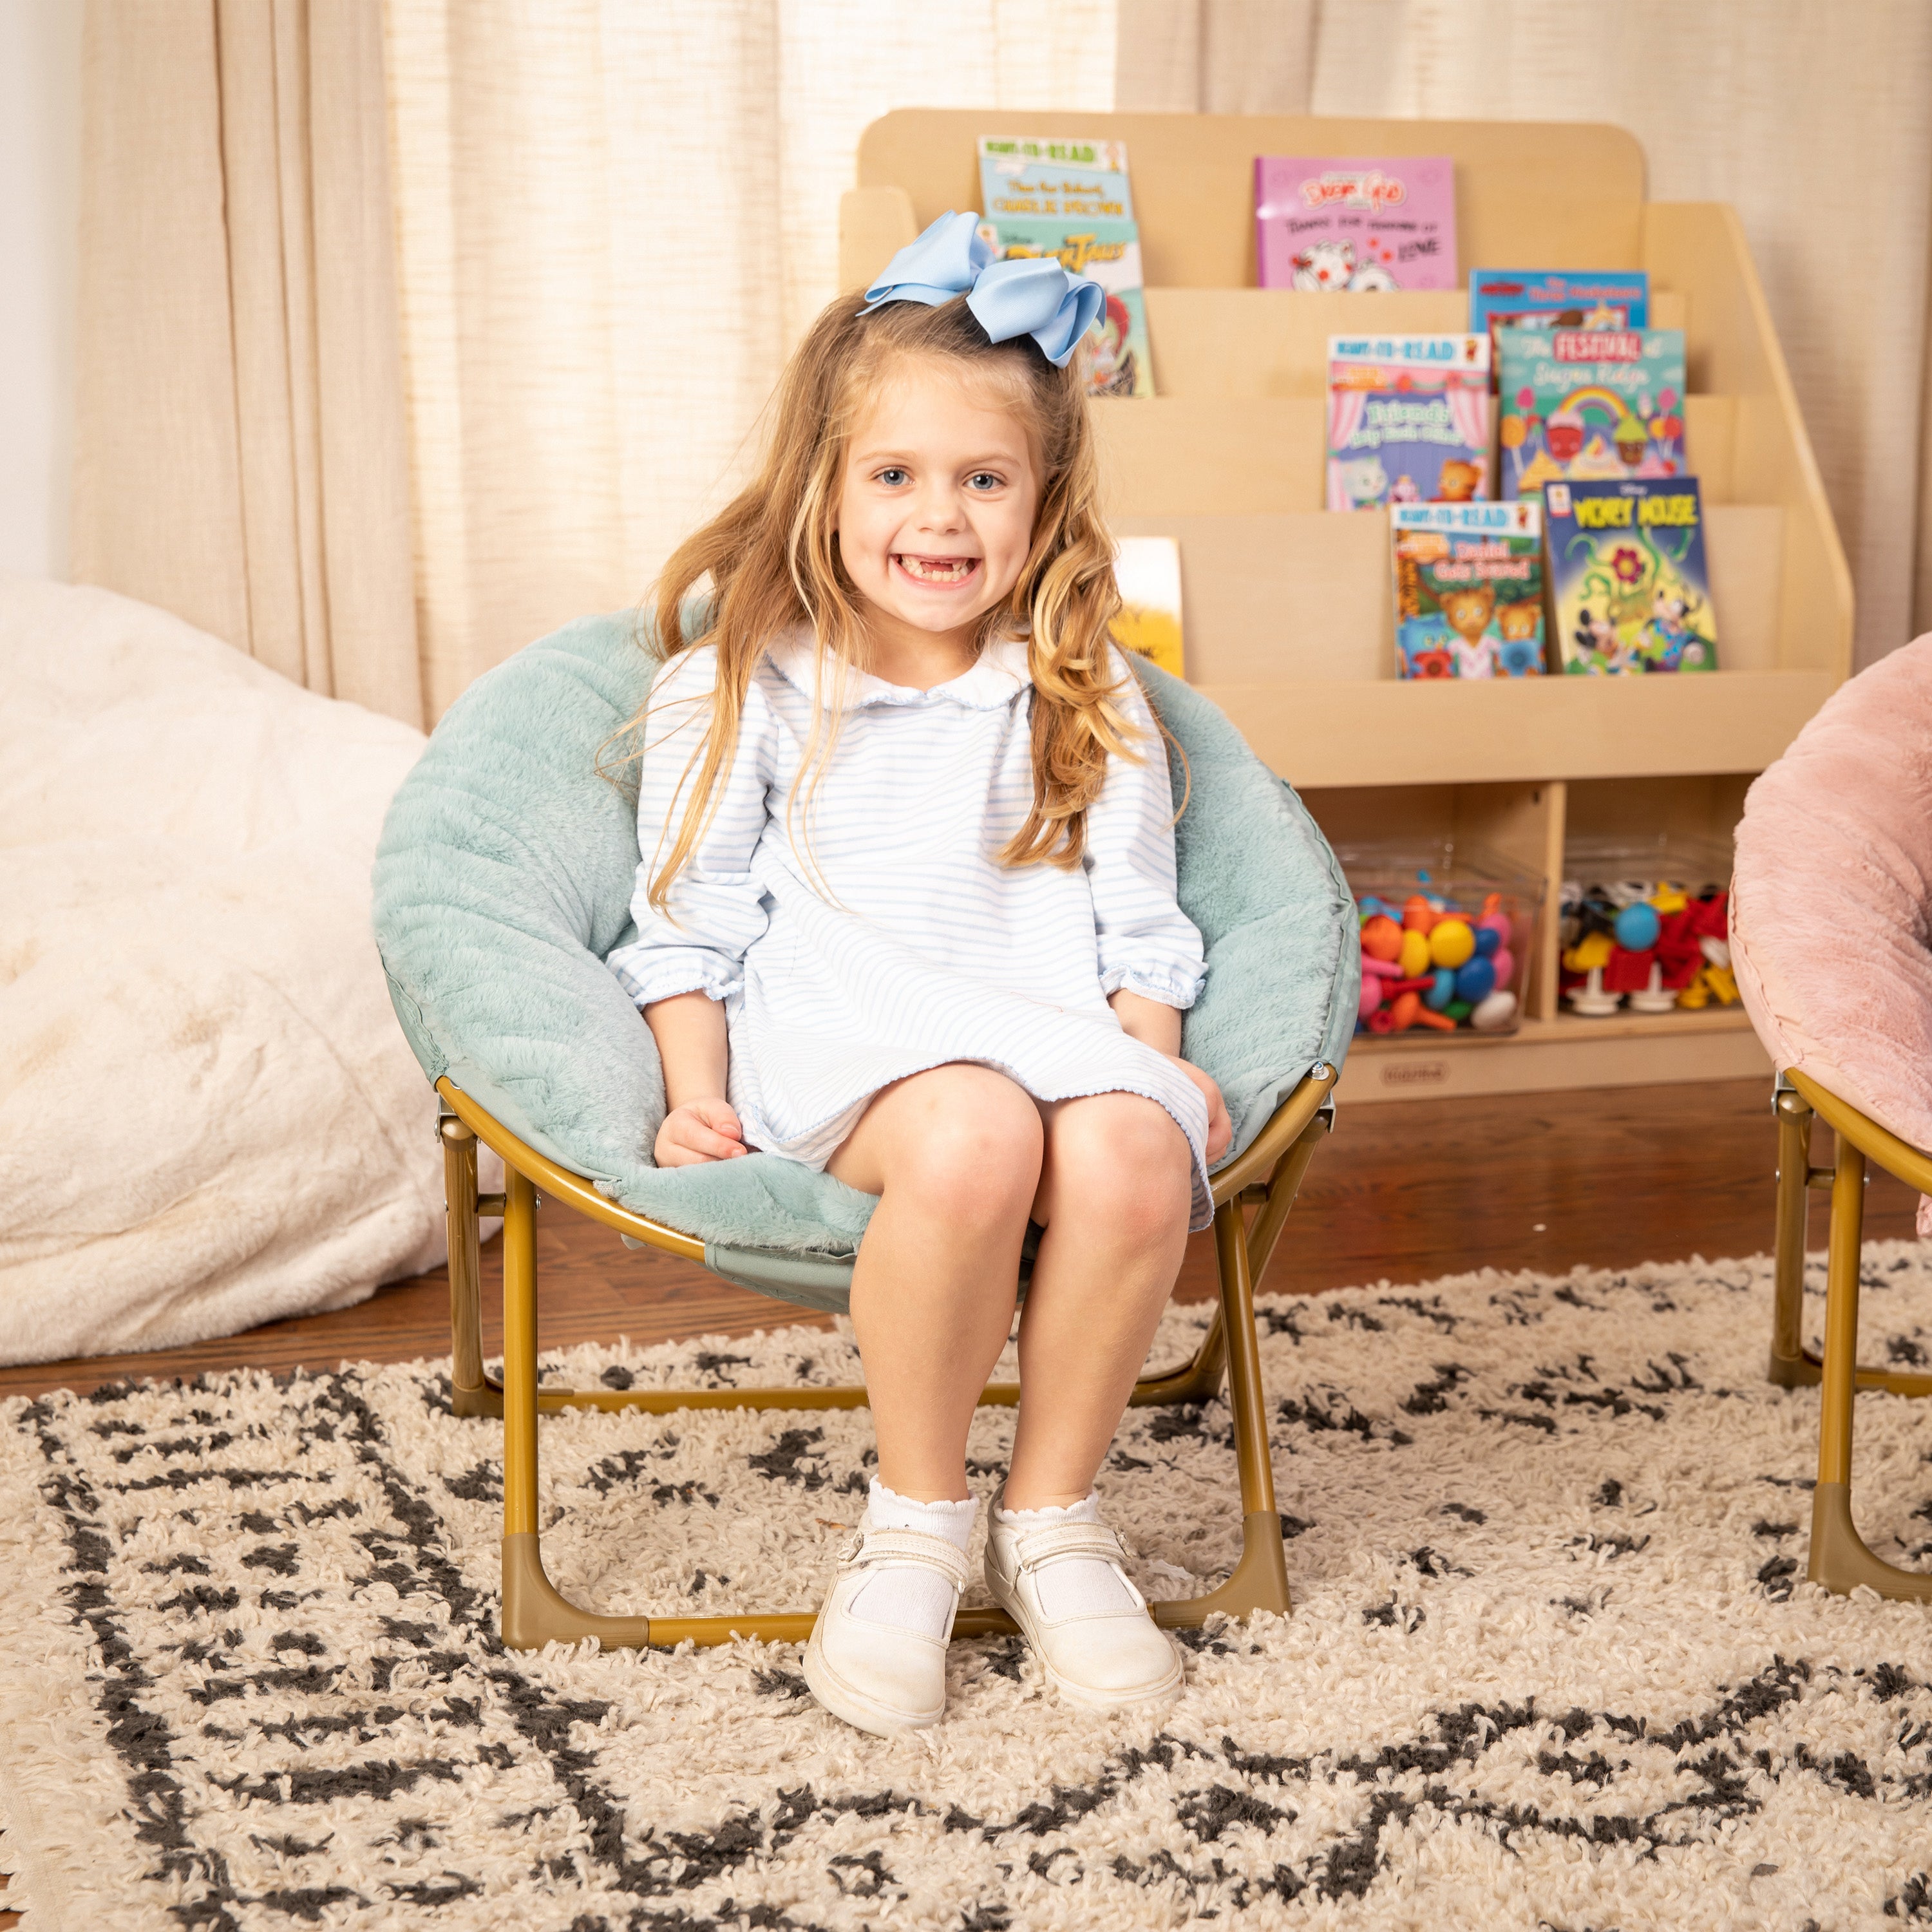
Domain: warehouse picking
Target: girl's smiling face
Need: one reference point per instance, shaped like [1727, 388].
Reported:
[935, 511]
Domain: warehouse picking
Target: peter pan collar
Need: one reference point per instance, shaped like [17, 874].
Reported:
[994, 679]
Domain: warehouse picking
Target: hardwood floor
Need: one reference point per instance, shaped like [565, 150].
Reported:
[1404, 1192]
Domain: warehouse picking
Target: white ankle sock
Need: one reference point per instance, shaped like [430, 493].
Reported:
[1075, 1586]
[908, 1596]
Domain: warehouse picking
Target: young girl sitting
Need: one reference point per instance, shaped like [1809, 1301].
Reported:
[907, 914]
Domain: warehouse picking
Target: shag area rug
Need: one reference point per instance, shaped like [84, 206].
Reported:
[1551, 1661]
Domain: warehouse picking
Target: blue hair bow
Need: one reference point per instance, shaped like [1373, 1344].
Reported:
[1032, 295]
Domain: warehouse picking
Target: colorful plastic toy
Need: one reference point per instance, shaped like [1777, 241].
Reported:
[1451, 941]
[1381, 937]
[1650, 944]
[1439, 960]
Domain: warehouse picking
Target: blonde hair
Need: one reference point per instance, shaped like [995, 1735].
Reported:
[772, 563]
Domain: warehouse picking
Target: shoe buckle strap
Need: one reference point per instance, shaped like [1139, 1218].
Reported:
[1040, 1547]
[906, 1545]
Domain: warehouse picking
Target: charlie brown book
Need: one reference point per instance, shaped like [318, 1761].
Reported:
[1073, 199]
[1468, 589]
[1629, 585]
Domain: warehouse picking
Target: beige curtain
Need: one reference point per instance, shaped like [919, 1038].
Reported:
[239, 451]
[612, 220]
[1814, 119]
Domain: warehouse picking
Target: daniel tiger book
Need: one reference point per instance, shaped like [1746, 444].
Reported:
[1468, 589]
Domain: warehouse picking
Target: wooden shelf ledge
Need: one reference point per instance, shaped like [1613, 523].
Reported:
[1387, 732]
[1555, 1056]
[1564, 1028]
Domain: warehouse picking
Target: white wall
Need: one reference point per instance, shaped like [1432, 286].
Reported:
[40, 200]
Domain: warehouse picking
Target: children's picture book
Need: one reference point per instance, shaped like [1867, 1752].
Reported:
[1408, 420]
[1073, 199]
[1148, 571]
[1501, 298]
[1330, 224]
[1630, 590]
[1590, 405]
[1468, 589]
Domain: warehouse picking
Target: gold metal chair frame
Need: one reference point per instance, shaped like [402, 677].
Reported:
[1266, 1177]
[1839, 1558]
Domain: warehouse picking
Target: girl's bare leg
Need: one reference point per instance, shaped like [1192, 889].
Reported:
[956, 1154]
[1113, 1196]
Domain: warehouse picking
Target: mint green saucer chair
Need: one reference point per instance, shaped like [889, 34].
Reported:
[503, 880]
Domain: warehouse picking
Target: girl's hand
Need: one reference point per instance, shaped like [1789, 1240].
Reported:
[1220, 1128]
[699, 1130]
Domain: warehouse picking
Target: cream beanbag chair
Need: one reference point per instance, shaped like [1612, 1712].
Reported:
[1831, 903]
[208, 1119]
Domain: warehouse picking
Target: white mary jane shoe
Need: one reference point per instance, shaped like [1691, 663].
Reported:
[882, 1678]
[1105, 1661]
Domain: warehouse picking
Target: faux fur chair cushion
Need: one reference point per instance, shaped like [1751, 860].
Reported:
[504, 878]
[1831, 906]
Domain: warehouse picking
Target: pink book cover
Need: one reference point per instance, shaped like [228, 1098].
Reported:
[1332, 224]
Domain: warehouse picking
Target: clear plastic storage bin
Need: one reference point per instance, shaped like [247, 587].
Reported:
[1448, 933]
[1641, 926]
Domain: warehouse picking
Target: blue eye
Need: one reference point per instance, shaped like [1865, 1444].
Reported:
[893, 476]
[984, 479]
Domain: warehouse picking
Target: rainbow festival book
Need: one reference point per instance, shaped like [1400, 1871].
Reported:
[1073, 199]
[1589, 405]
[1630, 584]
[1408, 420]
[1468, 589]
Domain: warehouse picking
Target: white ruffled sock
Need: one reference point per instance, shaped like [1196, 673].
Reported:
[906, 1596]
[1074, 1586]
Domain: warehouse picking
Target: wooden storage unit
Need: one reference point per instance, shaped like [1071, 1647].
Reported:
[1289, 622]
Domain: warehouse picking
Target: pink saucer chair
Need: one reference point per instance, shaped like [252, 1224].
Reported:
[1831, 942]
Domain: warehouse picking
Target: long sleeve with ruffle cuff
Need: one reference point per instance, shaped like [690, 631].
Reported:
[716, 907]
[1146, 943]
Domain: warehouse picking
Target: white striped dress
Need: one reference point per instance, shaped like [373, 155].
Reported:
[888, 940]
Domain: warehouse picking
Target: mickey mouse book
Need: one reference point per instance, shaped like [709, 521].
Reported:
[1629, 588]
[1468, 589]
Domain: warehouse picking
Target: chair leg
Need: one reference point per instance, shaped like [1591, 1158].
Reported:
[1789, 1368]
[1839, 1558]
[1792, 1365]
[534, 1613]
[471, 1393]
[1200, 1380]
[1260, 1580]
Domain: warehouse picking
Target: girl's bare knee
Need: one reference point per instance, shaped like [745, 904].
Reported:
[968, 1146]
[1125, 1163]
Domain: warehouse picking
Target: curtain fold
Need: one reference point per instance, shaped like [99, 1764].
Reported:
[240, 456]
[1814, 120]
[613, 221]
